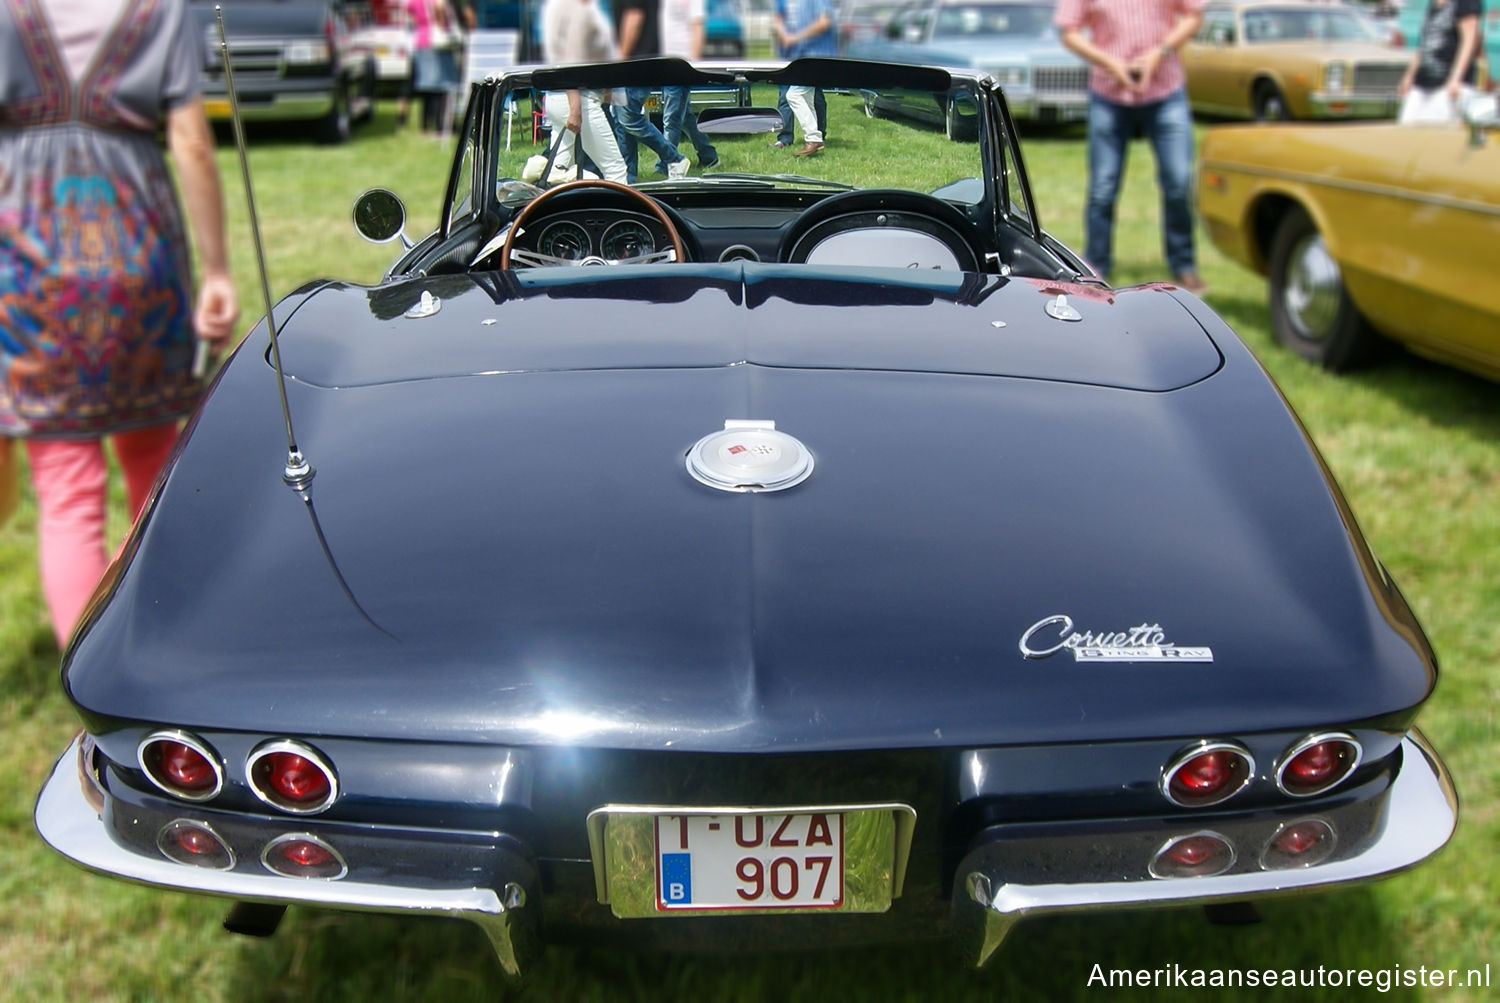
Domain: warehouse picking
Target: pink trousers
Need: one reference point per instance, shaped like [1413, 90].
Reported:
[71, 479]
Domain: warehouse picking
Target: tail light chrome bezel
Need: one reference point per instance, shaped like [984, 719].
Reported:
[194, 743]
[304, 837]
[1175, 765]
[1318, 738]
[164, 835]
[270, 797]
[1156, 870]
[1272, 858]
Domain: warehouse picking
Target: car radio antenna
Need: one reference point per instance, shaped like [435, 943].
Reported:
[298, 472]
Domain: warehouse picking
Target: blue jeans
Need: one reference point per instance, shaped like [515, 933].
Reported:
[1168, 124]
[633, 127]
[820, 109]
[679, 119]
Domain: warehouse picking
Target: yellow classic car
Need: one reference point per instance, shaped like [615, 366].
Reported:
[1366, 230]
[1270, 60]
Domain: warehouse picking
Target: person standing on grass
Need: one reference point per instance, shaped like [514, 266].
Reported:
[785, 137]
[682, 35]
[1136, 83]
[805, 28]
[637, 29]
[98, 322]
[1443, 69]
[434, 67]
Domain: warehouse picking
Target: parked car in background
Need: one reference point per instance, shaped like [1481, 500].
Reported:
[293, 61]
[749, 560]
[863, 20]
[1012, 39]
[385, 30]
[1408, 31]
[1365, 232]
[1269, 59]
[723, 30]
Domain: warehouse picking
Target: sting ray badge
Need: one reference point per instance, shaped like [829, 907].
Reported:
[1145, 643]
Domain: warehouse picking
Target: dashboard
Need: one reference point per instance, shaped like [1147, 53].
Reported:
[579, 225]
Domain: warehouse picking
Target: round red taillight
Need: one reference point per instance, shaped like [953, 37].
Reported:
[194, 843]
[301, 855]
[1201, 855]
[1316, 764]
[1299, 844]
[292, 777]
[1207, 774]
[181, 765]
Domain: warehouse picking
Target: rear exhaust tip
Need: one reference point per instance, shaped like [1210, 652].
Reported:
[254, 919]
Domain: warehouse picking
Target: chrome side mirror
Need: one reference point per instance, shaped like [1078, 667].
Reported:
[380, 216]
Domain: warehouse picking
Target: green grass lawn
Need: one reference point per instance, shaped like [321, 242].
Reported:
[1416, 447]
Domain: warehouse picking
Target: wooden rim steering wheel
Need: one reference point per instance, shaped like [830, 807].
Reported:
[533, 208]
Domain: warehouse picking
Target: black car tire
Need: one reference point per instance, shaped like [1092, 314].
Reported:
[1268, 104]
[871, 111]
[335, 127]
[1311, 312]
[367, 88]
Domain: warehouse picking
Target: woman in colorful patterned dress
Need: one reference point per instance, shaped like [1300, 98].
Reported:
[97, 320]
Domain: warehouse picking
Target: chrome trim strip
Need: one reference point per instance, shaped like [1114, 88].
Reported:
[1309, 742]
[905, 815]
[1358, 187]
[1182, 759]
[1420, 814]
[70, 825]
[199, 746]
[308, 753]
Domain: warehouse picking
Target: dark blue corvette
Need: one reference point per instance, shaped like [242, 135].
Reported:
[745, 560]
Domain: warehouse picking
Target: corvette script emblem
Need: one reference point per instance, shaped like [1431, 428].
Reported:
[1145, 643]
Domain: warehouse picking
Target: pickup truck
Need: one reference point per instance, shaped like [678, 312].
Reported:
[293, 61]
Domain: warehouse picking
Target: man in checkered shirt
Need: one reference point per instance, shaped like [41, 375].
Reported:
[1137, 85]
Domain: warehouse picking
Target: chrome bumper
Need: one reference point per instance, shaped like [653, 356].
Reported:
[1048, 107]
[274, 107]
[70, 816]
[1324, 105]
[1407, 822]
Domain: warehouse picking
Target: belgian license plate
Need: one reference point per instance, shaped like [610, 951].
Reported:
[679, 861]
[792, 861]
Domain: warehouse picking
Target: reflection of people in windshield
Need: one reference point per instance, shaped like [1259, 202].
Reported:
[575, 31]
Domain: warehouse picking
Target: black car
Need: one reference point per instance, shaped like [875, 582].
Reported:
[773, 555]
[293, 61]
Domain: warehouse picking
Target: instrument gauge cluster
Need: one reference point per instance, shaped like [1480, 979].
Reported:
[606, 237]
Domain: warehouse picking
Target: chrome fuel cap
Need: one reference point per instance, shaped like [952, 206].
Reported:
[749, 456]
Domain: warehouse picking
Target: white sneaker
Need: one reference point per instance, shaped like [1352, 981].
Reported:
[678, 169]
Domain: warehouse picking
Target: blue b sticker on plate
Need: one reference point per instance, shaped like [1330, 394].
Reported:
[677, 878]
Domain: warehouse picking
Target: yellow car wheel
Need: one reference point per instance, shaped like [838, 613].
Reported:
[1311, 312]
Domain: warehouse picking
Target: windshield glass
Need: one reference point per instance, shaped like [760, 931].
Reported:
[855, 137]
[1308, 25]
[989, 20]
